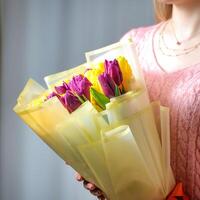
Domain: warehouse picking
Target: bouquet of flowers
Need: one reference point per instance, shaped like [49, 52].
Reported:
[98, 118]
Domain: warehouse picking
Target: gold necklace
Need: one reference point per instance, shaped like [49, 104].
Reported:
[173, 49]
[178, 42]
[181, 52]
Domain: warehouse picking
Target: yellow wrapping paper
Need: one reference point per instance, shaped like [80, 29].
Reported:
[161, 115]
[93, 154]
[126, 105]
[165, 140]
[57, 79]
[127, 168]
[106, 169]
[142, 124]
[80, 130]
[46, 120]
[91, 121]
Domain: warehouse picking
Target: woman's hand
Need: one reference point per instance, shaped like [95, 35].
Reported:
[91, 187]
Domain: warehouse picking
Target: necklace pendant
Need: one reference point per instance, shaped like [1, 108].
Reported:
[178, 43]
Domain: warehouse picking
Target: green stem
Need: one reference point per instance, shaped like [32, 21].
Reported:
[80, 98]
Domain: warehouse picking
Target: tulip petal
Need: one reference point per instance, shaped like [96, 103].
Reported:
[71, 101]
[80, 85]
[107, 85]
[113, 69]
[60, 89]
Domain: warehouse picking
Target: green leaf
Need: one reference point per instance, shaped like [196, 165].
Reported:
[101, 99]
[117, 92]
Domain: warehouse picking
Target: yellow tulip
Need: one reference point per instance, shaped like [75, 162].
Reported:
[92, 75]
[126, 70]
[99, 67]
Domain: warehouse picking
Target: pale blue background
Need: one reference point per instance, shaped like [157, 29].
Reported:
[40, 37]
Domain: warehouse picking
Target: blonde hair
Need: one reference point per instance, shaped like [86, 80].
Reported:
[163, 11]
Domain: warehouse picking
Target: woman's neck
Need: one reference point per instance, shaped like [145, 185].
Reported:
[186, 19]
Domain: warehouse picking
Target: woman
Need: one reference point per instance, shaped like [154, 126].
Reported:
[169, 53]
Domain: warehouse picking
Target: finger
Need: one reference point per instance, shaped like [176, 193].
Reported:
[66, 163]
[88, 185]
[91, 186]
[85, 184]
[97, 192]
[101, 197]
[79, 177]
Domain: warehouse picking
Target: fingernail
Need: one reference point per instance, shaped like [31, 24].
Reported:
[78, 177]
[90, 186]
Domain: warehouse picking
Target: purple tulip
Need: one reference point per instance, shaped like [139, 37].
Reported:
[66, 85]
[60, 89]
[80, 85]
[113, 69]
[107, 85]
[71, 102]
[51, 95]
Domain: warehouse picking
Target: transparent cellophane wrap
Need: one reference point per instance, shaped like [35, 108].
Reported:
[124, 150]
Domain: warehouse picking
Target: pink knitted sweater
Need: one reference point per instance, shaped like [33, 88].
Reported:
[180, 91]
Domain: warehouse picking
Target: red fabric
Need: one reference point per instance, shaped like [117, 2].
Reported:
[178, 193]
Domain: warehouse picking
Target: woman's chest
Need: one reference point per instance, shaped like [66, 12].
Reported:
[179, 90]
